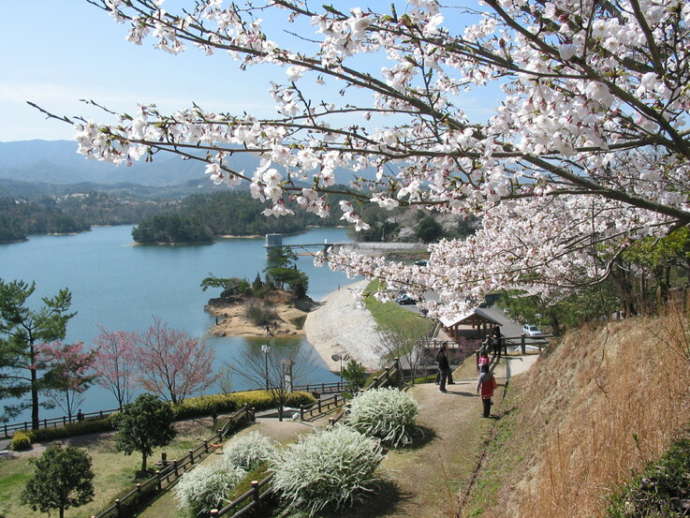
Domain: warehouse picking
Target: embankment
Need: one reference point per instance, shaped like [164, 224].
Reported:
[599, 406]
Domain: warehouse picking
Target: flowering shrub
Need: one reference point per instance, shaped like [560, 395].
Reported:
[205, 487]
[249, 451]
[327, 468]
[385, 413]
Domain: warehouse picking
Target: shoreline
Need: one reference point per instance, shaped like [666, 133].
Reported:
[341, 324]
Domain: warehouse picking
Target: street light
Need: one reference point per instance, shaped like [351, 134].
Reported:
[264, 349]
[340, 357]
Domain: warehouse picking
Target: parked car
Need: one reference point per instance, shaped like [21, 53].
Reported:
[405, 299]
[531, 330]
[421, 263]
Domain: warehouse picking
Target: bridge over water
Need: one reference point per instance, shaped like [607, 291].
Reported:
[276, 240]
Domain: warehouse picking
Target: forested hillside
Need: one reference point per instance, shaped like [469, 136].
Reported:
[201, 217]
[20, 217]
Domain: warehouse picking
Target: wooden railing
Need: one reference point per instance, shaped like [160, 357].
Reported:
[171, 471]
[9, 428]
[390, 376]
[320, 407]
[248, 501]
[335, 387]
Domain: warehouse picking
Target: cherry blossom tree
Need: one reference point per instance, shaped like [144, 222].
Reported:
[585, 152]
[116, 363]
[70, 373]
[172, 364]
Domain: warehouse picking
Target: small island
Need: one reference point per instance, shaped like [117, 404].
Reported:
[276, 305]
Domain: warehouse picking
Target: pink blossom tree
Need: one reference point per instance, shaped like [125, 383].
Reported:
[116, 362]
[585, 151]
[70, 373]
[173, 364]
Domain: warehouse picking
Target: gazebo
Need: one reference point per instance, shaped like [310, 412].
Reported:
[471, 325]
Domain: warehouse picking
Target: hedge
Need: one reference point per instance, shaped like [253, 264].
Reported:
[201, 406]
[216, 404]
[104, 424]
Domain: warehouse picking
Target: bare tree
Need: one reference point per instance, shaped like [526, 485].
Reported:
[173, 364]
[403, 344]
[277, 368]
[116, 363]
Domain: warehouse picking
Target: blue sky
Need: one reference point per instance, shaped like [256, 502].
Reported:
[56, 52]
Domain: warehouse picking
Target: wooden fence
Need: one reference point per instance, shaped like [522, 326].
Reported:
[171, 471]
[335, 387]
[248, 501]
[390, 376]
[320, 407]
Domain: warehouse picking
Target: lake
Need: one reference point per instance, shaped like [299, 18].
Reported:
[122, 287]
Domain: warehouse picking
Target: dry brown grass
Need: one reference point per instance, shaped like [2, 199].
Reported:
[605, 402]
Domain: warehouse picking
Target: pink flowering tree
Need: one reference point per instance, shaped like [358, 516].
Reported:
[172, 364]
[70, 373]
[116, 363]
[585, 151]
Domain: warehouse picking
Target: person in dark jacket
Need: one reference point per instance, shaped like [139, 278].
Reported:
[443, 367]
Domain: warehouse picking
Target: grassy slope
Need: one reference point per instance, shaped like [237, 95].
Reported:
[389, 315]
[602, 404]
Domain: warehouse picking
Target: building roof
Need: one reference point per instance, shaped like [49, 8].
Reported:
[473, 317]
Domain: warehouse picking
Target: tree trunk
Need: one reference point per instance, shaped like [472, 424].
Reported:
[62, 512]
[34, 390]
[143, 463]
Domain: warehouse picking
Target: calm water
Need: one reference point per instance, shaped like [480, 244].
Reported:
[122, 286]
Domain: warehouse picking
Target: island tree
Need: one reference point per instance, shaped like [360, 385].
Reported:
[23, 332]
[143, 425]
[584, 150]
[62, 479]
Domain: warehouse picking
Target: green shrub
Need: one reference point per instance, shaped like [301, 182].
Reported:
[206, 487]
[20, 441]
[79, 428]
[249, 451]
[330, 468]
[386, 413]
[261, 314]
[661, 490]
[299, 321]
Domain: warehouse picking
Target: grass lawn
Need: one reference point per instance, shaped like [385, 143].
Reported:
[390, 316]
[114, 472]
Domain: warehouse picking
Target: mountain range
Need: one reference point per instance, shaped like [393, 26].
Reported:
[57, 163]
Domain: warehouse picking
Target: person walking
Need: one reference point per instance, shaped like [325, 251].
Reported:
[443, 367]
[485, 387]
[483, 360]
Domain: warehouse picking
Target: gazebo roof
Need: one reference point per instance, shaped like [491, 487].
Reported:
[474, 317]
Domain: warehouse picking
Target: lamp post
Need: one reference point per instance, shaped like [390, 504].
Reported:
[340, 357]
[264, 349]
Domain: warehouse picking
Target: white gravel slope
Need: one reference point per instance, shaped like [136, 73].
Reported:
[343, 325]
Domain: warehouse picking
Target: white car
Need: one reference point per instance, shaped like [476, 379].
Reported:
[530, 330]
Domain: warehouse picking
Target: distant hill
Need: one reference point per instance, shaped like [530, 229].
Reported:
[57, 162]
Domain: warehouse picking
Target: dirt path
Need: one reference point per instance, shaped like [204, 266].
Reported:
[429, 477]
